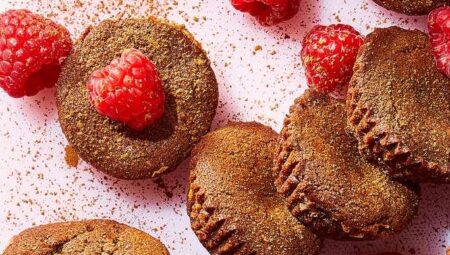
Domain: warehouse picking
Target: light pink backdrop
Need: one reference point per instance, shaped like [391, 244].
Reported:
[37, 187]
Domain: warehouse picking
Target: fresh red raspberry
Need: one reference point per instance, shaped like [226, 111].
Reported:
[268, 12]
[328, 54]
[129, 90]
[439, 29]
[32, 49]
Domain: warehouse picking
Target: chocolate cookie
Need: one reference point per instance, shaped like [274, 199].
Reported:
[232, 202]
[399, 105]
[412, 7]
[328, 185]
[85, 237]
[191, 98]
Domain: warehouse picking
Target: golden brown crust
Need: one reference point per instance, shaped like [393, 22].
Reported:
[232, 202]
[412, 7]
[191, 98]
[328, 185]
[85, 238]
[399, 105]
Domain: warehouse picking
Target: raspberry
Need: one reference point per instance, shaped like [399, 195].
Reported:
[439, 30]
[268, 12]
[128, 90]
[328, 54]
[32, 49]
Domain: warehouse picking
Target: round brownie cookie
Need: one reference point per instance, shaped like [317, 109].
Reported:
[86, 238]
[191, 98]
[412, 7]
[329, 187]
[399, 105]
[232, 201]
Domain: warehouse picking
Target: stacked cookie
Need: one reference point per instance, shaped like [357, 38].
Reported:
[347, 170]
[232, 201]
[399, 106]
[328, 185]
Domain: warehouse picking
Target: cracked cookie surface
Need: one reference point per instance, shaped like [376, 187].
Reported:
[189, 85]
[399, 105]
[90, 237]
[412, 7]
[232, 201]
[328, 186]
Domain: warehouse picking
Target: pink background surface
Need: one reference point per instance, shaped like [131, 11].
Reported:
[37, 186]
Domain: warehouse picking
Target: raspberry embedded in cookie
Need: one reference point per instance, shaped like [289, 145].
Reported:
[31, 51]
[328, 55]
[268, 12]
[129, 90]
[439, 32]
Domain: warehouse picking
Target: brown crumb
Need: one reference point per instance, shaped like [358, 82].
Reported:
[71, 156]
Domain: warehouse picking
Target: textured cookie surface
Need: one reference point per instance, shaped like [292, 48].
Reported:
[328, 185]
[399, 105]
[232, 201]
[85, 238]
[412, 7]
[191, 98]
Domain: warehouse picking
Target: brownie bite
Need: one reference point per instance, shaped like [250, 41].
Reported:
[232, 201]
[412, 7]
[89, 237]
[399, 106]
[328, 185]
[191, 98]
